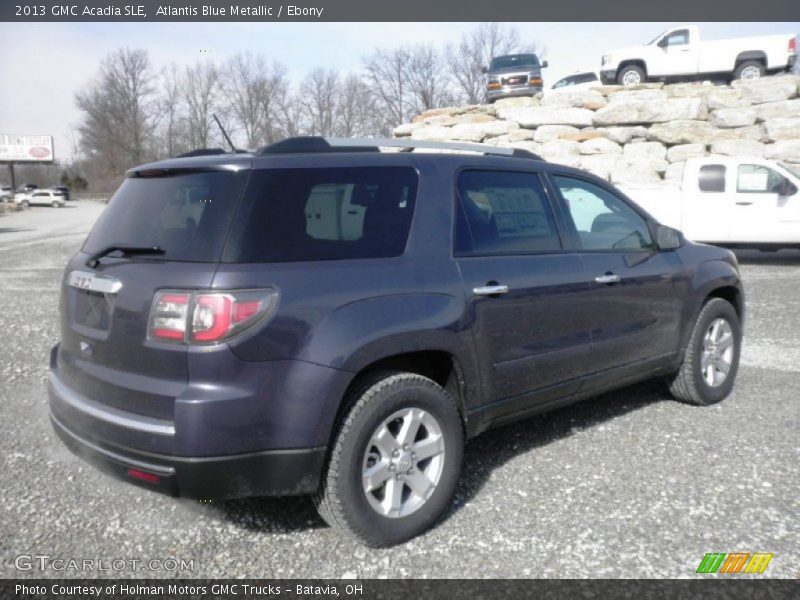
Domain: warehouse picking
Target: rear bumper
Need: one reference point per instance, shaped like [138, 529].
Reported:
[265, 434]
[268, 473]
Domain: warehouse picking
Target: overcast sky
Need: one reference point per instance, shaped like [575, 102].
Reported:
[45, 63]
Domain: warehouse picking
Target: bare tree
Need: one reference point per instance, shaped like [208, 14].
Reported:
[476, 49]
[386, 72]
[319, 92]
[120, 111]
[254, 91]
[200, 91]
[357, 114]
[173, 135]
[428, 80]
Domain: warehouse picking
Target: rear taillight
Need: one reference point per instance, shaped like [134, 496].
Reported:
[207, 317]
[168, 316]
[792, 45]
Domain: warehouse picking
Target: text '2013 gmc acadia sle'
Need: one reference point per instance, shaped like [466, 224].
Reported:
[324, 317]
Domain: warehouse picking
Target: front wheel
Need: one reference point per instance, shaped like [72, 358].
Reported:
[631, 75]
[395, 460]
[712, 356]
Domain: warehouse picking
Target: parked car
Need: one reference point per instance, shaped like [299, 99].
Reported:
[26, 188]
[679, 54]
[513, 75]
[739, 202]
[6, 193]
[323, 318]
[580, 80]
[61, 190]
[40, 198]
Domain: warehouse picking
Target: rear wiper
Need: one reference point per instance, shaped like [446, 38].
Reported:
[95, 258]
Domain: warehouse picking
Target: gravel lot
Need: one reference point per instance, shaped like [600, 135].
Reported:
[630, 484]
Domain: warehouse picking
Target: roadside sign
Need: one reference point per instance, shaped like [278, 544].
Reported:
[26, 148]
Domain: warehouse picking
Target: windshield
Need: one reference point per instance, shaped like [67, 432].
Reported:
[186, 214]
[513, 61]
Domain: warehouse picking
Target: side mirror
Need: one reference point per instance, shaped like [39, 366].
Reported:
[786, 188]
[484, 70]
[668, 238]
[662, 43]
[544, 64]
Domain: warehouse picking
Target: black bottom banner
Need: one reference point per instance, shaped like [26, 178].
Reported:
[394, 589]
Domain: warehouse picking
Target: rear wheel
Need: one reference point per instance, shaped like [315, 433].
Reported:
[56, 204]
[712, 356]
[395, 460]
[749, 69]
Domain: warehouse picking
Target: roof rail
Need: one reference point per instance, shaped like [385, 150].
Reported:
[309, 144]
[208, 152]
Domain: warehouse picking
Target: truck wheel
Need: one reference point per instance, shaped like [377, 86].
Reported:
[749, 69]
[631, 75]
[712, 356]
[394, 461]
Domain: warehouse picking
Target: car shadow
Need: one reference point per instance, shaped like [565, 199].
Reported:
[777, 257]
[14, 229]
[491, 450]
[483, 454]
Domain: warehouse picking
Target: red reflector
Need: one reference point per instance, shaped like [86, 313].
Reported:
[245, 310]
[170, 334]
[148, 477]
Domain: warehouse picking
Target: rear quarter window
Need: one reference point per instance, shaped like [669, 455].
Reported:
[711, 178]
[324, 214]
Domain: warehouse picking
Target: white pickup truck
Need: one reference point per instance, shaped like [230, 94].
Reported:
[678, 54]
[730, 201]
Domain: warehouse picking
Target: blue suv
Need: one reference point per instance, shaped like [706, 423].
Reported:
[327, 317]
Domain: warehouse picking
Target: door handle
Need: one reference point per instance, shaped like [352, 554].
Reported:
[744, 202]
[608, 278]
[490, 290]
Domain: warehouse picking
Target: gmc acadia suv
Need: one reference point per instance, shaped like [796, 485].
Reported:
[325, 317]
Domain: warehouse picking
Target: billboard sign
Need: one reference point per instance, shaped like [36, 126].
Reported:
[26, 148]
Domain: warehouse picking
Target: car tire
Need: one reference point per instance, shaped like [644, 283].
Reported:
[631, 75]
[708, 355]
[369, 439]
[25, 204]
[55, 204]
[749, 69]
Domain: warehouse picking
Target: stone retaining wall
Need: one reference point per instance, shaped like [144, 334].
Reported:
[633, 135]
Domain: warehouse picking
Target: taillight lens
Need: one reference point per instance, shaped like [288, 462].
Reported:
[207, 317]
[793, 45]
[168, 316]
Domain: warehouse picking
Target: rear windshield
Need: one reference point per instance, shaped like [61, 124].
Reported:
[324, 214]
[186, 214]
[513, 61]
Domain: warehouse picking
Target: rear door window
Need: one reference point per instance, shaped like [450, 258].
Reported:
[500, 212]
[324, 214]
